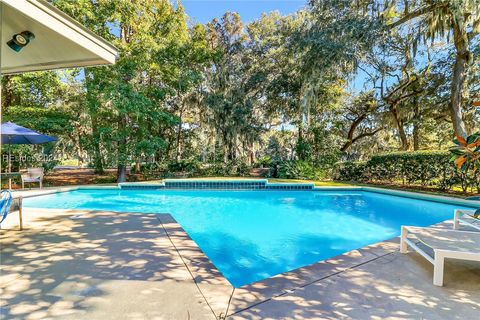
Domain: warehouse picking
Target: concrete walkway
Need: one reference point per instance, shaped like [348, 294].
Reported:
[98, 265]
[390, 287]
[106, 265]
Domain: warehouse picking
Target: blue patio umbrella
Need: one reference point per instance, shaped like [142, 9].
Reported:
[14, 134]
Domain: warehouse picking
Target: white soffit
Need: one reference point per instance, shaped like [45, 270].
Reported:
[60, 41]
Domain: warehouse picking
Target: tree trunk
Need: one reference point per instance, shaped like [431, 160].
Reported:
[179, 134]
[125, 32]
[416, 128]
[253, 158]
[81, 159]
[403, 137]
[121, 173]
[122, 152]
[78, 148]
[138, 166]
[416, 138]
[93, 105]
[231, 150]
[299, 148]
[8, 96]
[349, 143]
[351, 132]
[97, 155]
[401, 130]
[458, 81]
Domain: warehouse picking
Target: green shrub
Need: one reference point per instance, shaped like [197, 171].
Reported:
[264, 162]
[427, 168]
[231, 168]
[298, 169]
[351, 171]
[153, 167]
[49, 165]
[183, 166]
[109, 179]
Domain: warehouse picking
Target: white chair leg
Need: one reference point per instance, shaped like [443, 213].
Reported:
[438, 268]
[403, 243]
[40, 184]
[456, 223]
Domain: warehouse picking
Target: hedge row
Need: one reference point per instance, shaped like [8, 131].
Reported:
[427, 168]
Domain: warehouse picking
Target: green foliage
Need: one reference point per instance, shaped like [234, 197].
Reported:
[52, 121]
[231, 168]
[298, 169]
[264, 162]
[187, 166]
[466, 153]
[426, 168]
[109, 179]
[36, 89]
[350, 171]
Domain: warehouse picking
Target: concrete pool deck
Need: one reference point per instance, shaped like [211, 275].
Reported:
[70, 264]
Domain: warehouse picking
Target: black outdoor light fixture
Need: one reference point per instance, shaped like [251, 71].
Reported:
[20, 40]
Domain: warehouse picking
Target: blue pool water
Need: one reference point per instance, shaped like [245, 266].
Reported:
[252, 235]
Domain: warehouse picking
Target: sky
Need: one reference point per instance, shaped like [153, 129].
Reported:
[203, 11]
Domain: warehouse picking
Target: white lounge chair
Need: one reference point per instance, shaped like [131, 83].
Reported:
[465, 217]
[451, 244]
[32, 175]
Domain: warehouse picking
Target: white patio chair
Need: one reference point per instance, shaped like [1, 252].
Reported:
[32, 175]
[446, 244]
[465, 217]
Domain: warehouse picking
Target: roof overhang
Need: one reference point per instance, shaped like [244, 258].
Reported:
[60, 41]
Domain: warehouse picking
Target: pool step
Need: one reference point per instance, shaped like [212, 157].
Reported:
[192, 184]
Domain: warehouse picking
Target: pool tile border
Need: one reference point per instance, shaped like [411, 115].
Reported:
[192, 184]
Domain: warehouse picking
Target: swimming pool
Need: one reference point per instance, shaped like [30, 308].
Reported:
[252, 235]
